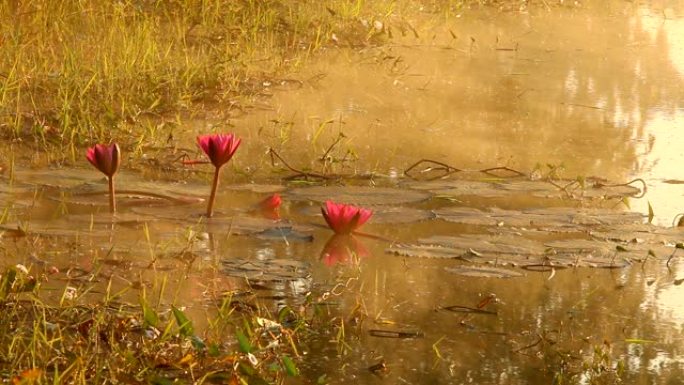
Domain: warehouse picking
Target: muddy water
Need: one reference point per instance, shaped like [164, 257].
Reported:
[594, 90]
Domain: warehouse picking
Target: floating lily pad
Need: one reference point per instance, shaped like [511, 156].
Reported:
[639, 233]
[267, 270]
[485, 244]
[285, 233]
[262, 227]
[258, 188]
[600, 249]
[509, 250]
[358, 195]
[273, 278]
[498, 187]
[459, 187]
[53, 229]
[543, 217]
[386, 214]
[59, 178]
[107, 218]
[483, 272]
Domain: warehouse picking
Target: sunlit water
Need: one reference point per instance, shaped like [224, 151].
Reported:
[597, 91]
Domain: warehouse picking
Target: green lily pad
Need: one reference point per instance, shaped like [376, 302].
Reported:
[358, 195]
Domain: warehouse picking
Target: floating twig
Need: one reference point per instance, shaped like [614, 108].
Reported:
[395, 333]
[468, 310]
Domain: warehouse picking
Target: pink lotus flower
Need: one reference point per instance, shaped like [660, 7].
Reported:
[220, 148]
[270, 207]
[343, 248]
[344, 219]
[106, 159]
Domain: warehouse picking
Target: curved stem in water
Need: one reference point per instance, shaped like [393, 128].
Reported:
[212, 197]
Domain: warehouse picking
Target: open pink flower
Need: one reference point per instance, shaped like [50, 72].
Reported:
[220, 148]
[105, 158]
[342, 249]
[344, 219]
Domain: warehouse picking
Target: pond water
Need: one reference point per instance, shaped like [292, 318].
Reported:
[487, 279]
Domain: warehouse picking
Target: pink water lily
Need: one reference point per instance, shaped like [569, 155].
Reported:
[344, 219]
[107, 159]
[270, 207]
[220, 148]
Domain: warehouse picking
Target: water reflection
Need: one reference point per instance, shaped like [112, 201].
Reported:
[343, 249]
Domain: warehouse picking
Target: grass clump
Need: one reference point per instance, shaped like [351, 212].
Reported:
[82, 72]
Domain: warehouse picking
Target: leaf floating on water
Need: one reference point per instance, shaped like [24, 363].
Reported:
[483, 272]
[258, 188]
[509, 250]
[358, 195]
[267, 270]
[118, 218]
[503, 187]
[555, 217]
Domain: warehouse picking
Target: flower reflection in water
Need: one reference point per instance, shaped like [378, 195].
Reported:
[270, 207]
[343, 248]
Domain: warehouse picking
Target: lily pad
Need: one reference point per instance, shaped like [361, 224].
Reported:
[258, 188]
[59, 178]
[386, 214]
[272, 278]
[459, 187]
[106, 218]
[543, 217]
[358, 195]
[483, 272]
[261, 227]
[498, 187]
[54, 229]
[485, 244]
[509, 250]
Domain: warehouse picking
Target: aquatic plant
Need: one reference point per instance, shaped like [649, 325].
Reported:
[270, 207]
[343, 218]
[220, 148]
[107, 159]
